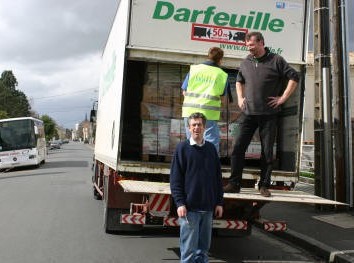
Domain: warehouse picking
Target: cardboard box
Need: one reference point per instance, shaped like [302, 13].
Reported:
[151, 111]
[155, 136]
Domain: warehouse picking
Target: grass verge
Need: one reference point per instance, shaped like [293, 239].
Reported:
[307, 174]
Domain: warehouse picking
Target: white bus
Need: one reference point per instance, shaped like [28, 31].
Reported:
[22, 142]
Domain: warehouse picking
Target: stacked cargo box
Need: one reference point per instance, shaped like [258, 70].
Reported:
[162, 126]
[161, 106]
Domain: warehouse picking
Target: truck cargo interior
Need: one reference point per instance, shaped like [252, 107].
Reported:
[152, 123]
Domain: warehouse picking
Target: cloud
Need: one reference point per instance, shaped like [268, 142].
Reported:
[65, 91]
[36, 30]
[54, 49]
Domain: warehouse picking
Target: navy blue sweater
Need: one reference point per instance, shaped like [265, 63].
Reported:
[195, 178]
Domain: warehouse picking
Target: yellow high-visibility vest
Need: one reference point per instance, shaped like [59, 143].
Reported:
[205, 86]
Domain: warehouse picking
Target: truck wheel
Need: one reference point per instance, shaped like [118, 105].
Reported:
[96, 194]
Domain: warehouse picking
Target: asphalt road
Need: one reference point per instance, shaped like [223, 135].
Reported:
[49, 215]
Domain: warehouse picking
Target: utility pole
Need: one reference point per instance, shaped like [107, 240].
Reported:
[323, 106]
[341, 108]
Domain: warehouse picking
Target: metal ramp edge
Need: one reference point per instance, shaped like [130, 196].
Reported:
[246, 194]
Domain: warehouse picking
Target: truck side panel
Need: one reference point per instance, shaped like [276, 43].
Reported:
[192, 27]
[110, 93]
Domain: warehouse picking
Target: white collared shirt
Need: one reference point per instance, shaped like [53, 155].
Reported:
[193, 142]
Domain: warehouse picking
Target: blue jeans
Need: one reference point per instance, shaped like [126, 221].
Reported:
[211, 134]
[195, 236]
[267, 125]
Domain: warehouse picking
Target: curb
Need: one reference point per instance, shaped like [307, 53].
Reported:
[307, 180]
[328, 253]
[344, 258]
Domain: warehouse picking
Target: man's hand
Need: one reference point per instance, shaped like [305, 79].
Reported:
[241, 99]
[275, 102]
[241, 103]
[182, 211]
[219, 211]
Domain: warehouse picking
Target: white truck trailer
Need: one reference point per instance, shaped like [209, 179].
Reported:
[148, 53]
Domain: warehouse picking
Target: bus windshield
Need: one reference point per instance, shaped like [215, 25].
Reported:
[15, 135]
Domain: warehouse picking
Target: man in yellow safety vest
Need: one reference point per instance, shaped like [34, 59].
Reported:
[202, 89]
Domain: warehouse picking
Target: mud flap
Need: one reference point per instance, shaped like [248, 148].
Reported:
[112, 216]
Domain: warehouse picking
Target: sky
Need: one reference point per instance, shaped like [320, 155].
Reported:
[54, 49]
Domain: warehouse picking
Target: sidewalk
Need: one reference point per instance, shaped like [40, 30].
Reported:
[328, 234]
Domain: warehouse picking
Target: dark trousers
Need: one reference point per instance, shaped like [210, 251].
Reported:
[248, 124]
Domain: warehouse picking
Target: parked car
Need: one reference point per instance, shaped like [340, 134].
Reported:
[54, 145]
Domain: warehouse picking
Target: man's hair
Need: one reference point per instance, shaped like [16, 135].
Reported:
[197, 115]
[215, 54]
[258, 35]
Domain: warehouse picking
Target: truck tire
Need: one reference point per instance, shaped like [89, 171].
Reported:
[96, 194]
[111, 216]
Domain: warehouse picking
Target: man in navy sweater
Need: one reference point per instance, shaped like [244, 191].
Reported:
[196, 187]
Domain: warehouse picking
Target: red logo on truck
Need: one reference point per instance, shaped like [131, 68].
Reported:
[219, 34]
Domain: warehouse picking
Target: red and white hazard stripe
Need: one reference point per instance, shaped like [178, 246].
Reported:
[159, 205]
[230, 224]
[170, 221]
[133, 219]
[274, 226]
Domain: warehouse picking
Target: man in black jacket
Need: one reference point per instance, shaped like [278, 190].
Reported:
[260, 94]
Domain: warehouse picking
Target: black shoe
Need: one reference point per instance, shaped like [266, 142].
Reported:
[230, 188]
[264, 191]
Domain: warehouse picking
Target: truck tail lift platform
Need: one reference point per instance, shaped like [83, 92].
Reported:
[158, 205]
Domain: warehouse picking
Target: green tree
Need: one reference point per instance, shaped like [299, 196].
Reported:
[68, 133]
[8, 79]
[49, 127]
[12, 101]
[3, 115]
